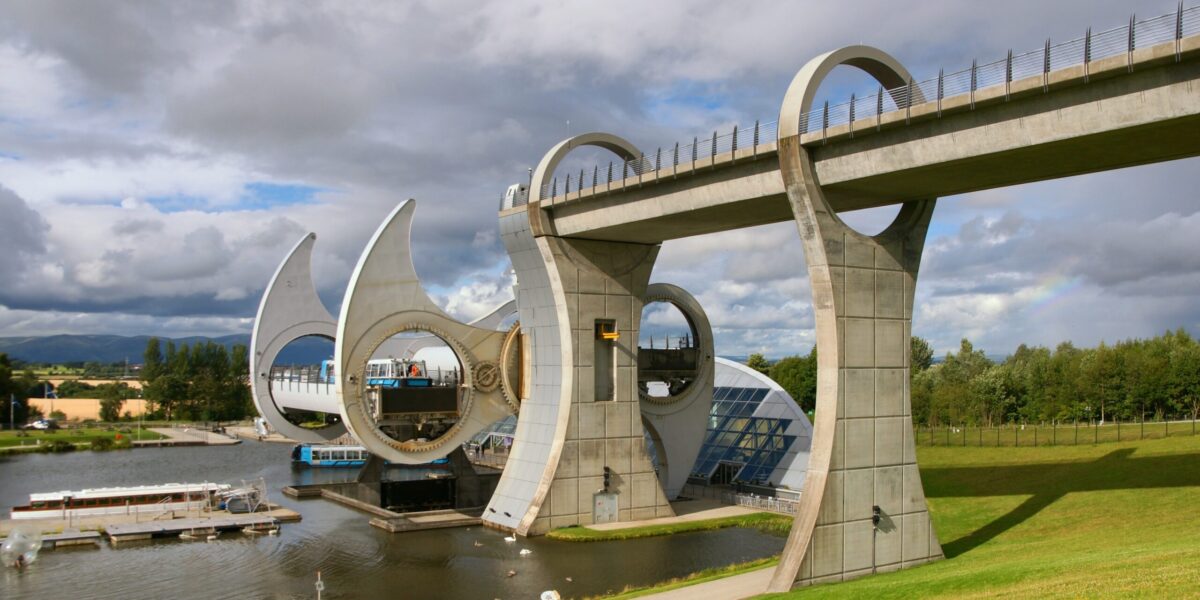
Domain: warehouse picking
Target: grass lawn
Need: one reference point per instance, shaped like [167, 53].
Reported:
[9, 439]
[1114, 520]
[767, 522]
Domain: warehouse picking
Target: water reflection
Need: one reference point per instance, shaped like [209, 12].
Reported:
[355, 560]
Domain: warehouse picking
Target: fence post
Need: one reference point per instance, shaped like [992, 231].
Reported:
[1087, 56]
[824, 121]
[695, 147]
[1178, 31]
[1132, 43]
[712, 157]
[658, 159]
[1046, 67]
[641, 166]
[908, 103]
[941, 89]
[756, 137]
[733, 147]
[1008, 77]
[851, 123]
[879, 108]
[596, 176]
[974, 80]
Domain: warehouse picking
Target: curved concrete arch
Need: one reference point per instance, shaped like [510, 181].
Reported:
[862, 452]
[290, 309]
[385, 297]
[613, 143]
[408, 348]
[679, 424]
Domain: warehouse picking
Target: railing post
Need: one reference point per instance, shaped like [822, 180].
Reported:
[1046, 67]
[610, 165]
[908, 103]
[879, 108]
[553, 189]
[658, 159]
[567, 187]
[755, 146]
[1179, 32]
[941, 89]
[825, 122]
[712, 157]
[1087, 56]
[624, 170]
[675, 161]
[695, 150]
[1132, 43]
[596, 176]
[733, 147]
[1008, 77]
[851, 123]
[579, 186]
[974, 80]
[641, 166]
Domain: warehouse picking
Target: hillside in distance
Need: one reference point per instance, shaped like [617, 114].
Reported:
[57, 349]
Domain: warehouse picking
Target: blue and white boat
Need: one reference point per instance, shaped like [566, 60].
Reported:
[321, 455]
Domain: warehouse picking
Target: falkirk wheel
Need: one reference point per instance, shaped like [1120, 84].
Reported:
[386, 312]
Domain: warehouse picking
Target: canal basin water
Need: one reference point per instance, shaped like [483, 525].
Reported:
[355, 559]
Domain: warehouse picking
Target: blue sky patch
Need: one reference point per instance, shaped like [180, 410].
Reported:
[261, 194]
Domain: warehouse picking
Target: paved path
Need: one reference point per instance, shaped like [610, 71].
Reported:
[689, 510]
[745, 585]
[187, 433]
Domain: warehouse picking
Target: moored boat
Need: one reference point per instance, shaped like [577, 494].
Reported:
[119, 500]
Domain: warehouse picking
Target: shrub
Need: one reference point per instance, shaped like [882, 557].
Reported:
[58, 446]
[100, 444]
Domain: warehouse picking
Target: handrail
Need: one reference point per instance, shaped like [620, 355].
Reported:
[743, 141]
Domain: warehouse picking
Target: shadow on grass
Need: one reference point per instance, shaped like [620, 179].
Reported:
[1047, 483]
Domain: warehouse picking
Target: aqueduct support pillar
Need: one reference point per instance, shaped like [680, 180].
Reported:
[863, 452]
[582, 413]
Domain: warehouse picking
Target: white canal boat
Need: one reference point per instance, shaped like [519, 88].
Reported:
[142, 499]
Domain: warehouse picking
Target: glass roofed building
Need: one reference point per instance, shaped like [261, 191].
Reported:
[756, 433]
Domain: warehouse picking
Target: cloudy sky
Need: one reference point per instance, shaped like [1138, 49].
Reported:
[158, 159]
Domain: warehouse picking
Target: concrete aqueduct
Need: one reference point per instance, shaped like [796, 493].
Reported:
[583, 255]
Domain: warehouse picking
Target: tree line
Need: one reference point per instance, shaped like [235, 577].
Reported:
[1136, 379]
[201, 381]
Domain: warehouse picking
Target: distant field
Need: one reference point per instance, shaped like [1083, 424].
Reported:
[1113, 520]
[9, 439]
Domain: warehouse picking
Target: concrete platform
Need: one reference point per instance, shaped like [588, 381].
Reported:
[187, 437]
[438, 519]
[69, 538]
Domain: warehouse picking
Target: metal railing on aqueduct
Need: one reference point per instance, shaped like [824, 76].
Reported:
[871, 106]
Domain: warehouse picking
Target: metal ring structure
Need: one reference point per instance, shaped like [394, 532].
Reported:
[618, 145]
[678, 423]
[385, 297]
[290, 309]
[821, 230]
[423, 324]
[697, 321]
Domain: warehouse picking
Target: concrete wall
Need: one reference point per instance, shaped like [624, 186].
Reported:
[78, 409]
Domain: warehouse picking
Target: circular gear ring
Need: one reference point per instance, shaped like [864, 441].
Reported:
[509, 362]
[468, 391]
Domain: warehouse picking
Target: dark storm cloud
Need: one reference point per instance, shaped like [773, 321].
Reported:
[22, 235]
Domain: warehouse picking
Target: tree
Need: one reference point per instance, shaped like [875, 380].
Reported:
[112, 398]
[921, 355]
[798, 376]
[152, 361]
[759, 363]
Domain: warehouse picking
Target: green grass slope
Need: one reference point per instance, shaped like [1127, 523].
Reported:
[1114, 520]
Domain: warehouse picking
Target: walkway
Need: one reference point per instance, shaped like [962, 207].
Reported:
[188, 434]
[745, 585]
[686, 511]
